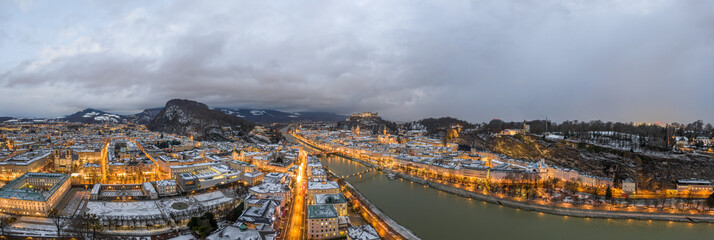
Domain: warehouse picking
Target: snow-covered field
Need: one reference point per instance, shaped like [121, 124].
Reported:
[213, 198]
[156, 207]
[135, 208]
[74, 203]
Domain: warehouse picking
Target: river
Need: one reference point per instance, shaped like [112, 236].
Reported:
[433, 214]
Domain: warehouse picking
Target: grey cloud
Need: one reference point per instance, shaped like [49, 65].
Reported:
[475, 60]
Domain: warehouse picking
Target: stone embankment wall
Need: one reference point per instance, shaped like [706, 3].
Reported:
[393, 225]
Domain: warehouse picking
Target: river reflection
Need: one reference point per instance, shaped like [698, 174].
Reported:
[433, 214]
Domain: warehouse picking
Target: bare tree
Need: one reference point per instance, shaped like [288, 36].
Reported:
[77, 226]
[58, 221]
[86, 226]
[4, 223]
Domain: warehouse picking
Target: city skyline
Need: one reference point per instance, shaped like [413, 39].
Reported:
[356, 120]
[614, 61]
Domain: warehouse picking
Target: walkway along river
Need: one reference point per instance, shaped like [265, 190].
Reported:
[433, 214]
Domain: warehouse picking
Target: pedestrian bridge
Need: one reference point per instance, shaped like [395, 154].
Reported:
[325, 153]
[360, 173]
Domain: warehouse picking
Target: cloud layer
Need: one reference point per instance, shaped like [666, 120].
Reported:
[611, 60]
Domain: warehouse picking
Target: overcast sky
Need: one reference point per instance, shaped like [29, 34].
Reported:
[477, 60]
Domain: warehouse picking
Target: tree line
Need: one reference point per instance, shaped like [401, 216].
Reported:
[652, 135]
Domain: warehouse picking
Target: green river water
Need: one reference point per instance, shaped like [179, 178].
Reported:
[433, 214]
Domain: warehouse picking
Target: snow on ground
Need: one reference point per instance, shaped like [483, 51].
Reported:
[74, 203]
[183, 237]
[167, 203]
[209, 196]
[35, 225]
[105, 119]
[554, 137]
[135, 208]
[156, 207]
[40, 220]
[213, 198]
[90, 114]
[218, 201]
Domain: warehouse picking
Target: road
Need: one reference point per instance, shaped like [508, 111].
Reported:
[367, 214]
[296, 222]
[104, 160]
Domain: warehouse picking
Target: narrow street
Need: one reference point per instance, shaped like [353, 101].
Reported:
[296, 222]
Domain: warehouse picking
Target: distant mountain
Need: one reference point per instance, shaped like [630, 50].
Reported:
[95, 116]
[274, 116]
[146, 116]
[27, 120]
[191, 118]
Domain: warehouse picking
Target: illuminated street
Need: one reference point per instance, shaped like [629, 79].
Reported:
[104, 161]
[356, 120]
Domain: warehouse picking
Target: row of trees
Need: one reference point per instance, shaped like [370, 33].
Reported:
[166, 144]
[439, 125]
[84, 226]
[88, 226]
[204, 225]
[649, 134]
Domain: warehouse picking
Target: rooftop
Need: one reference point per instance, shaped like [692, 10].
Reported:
[362, 232]
[13, 190]
[330, 198]
[694, 181]
[321, 211]
[322, 185]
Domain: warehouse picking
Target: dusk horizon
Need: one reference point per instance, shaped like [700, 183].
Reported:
[356, 120]
[615, 61]
[397, 119]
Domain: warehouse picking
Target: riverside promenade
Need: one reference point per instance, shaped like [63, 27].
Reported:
[573, 212]
[544, 208]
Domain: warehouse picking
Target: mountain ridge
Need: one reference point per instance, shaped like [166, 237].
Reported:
[93, 115]
[195, 119]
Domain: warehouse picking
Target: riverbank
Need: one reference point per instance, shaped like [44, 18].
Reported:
[555, 210]
[573, 212]
[373, 210]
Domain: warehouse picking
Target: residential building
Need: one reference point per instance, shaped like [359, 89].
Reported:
[338, 200]
[166, 187]
[252, 178]
[694, 185]
[322, 222]
[320, 188]
[629, 185]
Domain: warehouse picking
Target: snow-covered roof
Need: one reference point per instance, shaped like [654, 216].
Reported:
[322, 185]
[694, 181]
[321, 211]
[363, 232]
